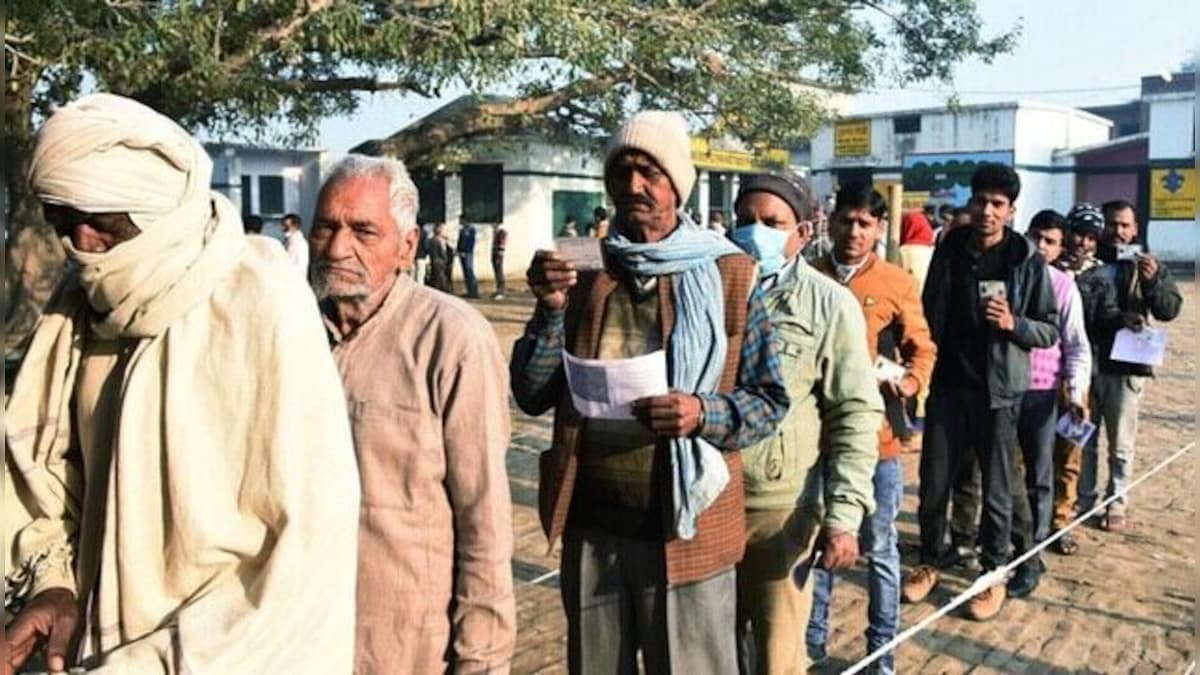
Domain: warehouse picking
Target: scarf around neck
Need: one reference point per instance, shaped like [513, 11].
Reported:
[697, 351]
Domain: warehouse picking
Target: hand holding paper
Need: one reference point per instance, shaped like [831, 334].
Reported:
[1147, 346]
[607, 388]
[582, 252]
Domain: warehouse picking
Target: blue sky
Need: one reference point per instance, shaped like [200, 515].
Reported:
[1094, 45]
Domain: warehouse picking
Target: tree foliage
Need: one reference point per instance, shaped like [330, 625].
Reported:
[752, 69]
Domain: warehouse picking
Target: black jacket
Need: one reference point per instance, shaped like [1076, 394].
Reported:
[1031, 301]
[1156, 298]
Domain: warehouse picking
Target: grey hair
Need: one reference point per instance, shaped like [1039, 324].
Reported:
[402, 194]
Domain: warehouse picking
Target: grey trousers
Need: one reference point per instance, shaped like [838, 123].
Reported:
[618, 603]
[1116, 400]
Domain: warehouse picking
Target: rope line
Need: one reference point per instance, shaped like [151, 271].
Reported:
[998, 575]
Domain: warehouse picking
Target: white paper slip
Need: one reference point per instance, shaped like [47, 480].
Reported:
[582, 252]
[604, 388]
[1128, 251]
[887, 370]
[1076, 432]
[1147, 346]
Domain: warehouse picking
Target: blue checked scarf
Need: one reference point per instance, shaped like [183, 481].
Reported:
[697, 347]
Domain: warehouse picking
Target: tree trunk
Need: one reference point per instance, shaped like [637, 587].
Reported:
[33, 256]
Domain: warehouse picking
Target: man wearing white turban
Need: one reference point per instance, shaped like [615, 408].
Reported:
[186, 499]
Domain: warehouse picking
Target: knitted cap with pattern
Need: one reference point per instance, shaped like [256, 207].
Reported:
[663, 135]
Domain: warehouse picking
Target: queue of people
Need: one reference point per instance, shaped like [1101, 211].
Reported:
[217, 470]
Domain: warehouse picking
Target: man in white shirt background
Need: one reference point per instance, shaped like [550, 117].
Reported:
[293, 241]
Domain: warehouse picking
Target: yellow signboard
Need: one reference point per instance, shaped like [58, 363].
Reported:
[707, 157]
[852, 139]
[1173, 194]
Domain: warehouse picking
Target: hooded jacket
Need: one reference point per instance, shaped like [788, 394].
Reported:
[1031, 301]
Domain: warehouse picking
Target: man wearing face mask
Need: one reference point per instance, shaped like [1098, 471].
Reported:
[810, 484]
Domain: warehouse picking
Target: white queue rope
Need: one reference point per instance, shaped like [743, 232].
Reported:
[998, 575]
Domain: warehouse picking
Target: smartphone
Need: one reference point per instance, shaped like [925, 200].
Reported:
[992, 289]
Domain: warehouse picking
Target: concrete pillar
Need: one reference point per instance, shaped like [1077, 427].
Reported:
[895, 205]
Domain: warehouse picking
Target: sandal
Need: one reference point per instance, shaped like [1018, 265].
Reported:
[1065, 545]
[1114, 522]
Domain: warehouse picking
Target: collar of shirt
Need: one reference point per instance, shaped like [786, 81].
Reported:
[846, 272]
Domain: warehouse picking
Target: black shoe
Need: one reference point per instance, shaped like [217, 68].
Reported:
[1029, 573]
[816, 655]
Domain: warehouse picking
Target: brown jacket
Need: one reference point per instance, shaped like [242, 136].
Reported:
[427, 389]
[721, 530]
[891, 301]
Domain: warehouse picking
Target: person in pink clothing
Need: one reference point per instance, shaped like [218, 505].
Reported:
[1062, 368]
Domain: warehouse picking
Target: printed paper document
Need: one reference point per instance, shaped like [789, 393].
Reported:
[604, 388]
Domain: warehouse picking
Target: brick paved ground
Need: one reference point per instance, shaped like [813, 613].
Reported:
[1125, 603]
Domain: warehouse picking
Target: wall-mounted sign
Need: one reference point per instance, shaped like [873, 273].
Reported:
[946, 176]
[705, 156]
[852, 139]
[1173, 194]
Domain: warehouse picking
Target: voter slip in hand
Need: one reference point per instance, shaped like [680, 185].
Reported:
[887, 370]
[605, 388]
[582, 252]
[1147, 346]
[1078, 432]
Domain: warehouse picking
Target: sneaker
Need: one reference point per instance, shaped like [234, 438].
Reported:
[920, 581]
[816, 654]
[497, 296]
[987, 603]
[1025, 581]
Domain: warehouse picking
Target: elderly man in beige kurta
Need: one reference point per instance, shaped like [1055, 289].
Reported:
[427, 390]
[176, 440]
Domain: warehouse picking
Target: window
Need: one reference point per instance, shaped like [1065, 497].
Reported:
[247, 207]
[909, 124]
[483, 193]
[270, 195]
[431, 192]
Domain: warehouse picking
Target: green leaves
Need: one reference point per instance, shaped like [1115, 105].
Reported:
[753, 69]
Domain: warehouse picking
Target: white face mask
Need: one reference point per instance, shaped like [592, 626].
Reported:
[766, 244]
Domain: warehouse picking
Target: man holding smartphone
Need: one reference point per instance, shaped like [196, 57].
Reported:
[983, 336]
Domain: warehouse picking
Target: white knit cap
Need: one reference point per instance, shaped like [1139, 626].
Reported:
[663, 135]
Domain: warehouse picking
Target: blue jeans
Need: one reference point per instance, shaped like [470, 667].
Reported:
[468, 268]
[878, 540]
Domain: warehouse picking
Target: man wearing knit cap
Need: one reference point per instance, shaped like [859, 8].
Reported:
[890, 301]
[829, 430]
[651, 510]
[178, 478]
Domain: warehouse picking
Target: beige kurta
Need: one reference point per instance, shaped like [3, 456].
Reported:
[427, 388]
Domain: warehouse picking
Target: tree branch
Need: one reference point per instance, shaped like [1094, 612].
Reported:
[278, 33]
[353, 84]
[489, 117]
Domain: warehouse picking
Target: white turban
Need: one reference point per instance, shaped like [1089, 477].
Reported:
[109, 154]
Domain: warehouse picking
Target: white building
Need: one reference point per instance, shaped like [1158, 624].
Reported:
[1170, 217]
[933, 151]
[268, 182]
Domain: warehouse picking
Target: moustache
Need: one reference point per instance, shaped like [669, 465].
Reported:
[634, 200]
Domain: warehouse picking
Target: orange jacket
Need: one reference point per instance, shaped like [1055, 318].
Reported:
[891, 300]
